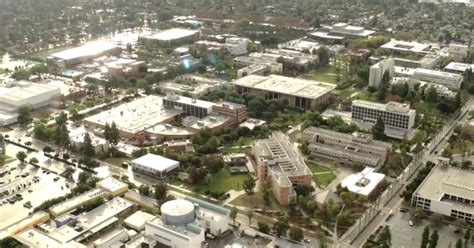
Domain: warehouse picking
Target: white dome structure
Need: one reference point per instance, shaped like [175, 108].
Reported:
[177, 212]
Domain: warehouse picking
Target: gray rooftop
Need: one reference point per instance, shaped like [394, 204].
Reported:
[286, 85]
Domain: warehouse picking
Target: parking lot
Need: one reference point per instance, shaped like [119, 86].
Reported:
[406, 236]
[25, 183]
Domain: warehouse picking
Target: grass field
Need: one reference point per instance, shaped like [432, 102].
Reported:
[326, 74]
[326, 175]
[221, 182]
[4, 159]
[116, 161]
[256, 201]
[43, 54]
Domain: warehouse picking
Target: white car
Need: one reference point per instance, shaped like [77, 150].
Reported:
[410, 223]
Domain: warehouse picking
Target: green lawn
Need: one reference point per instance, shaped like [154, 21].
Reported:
[4, 159]
[326, 74]
[256, 201]
[43, 54]
[222, 182]
[321, 179]
[2, 71]
[117, 161]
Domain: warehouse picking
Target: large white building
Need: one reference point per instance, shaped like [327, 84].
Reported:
[154, 164]
[447, 79]
[396, 116]
[236, 46]
[378, 70]
[24, 93]
[364, 182]
[299, 93]
[346, 148]
[173, 36]
[183, 223]
[447, 191]
[459, 68]
[83, 53]
[407, 46]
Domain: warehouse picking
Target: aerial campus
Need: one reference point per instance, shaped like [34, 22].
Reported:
[236, 124]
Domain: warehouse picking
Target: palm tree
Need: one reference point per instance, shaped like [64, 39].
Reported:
[250, 215]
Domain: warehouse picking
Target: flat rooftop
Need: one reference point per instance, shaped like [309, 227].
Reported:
[111, 184]
[390, 106]
[407, 46]
[76, 201]
[34, 238]
[325, 35]
[210, 121]
[460, 67]
[190, 101]
[137, 115]
[138, 219]
[448, 180]
[348, 137]
[286, 85]
[172, 34]
[283, 159]
[364, 182]
[26, 90]
[156, 162]
[89, 49]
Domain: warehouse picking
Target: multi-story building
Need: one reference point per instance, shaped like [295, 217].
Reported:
[246, 61]
[154, 165]
[238, 112]
[24, 93]
[395, 115]
[190, 106]
[340, 31]
[449, 80]
[83, 53]
[236, 46]
[458, 51]
[300, 93]
[447, 191]
[184, 222]
[407, 47]
[173, 36]
[346, 148]
[255, 69]
[459, 68]
[278, 161]
[378, 70]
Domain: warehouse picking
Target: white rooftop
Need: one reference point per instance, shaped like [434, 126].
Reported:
[137, 115]
[171, 34]
[364, 182]
[407, 46]
[138, 219]
[156, 162]
[460, 67]
[89, 49]
[286, 85]
[111, 184]
[25, 92]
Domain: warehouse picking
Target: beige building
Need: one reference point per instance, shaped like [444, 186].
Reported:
[300, 93]
[279, 161]
[346, 148]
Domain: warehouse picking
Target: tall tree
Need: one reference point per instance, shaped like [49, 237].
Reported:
[323, 54]
[458, 244]
[431, 95]
[87, 147]
[425, 237]
[24, 115]
[249, 186]
[250, 216]
[434, 239]
[296, 233]
[281, 226]
[378, 130]
[385, 238]
[114, 134]
[233, 214]
[467, 237]
[21, 155]
[382, 91]
[161, 190]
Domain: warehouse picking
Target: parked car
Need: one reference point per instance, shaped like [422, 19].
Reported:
[410, 222]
